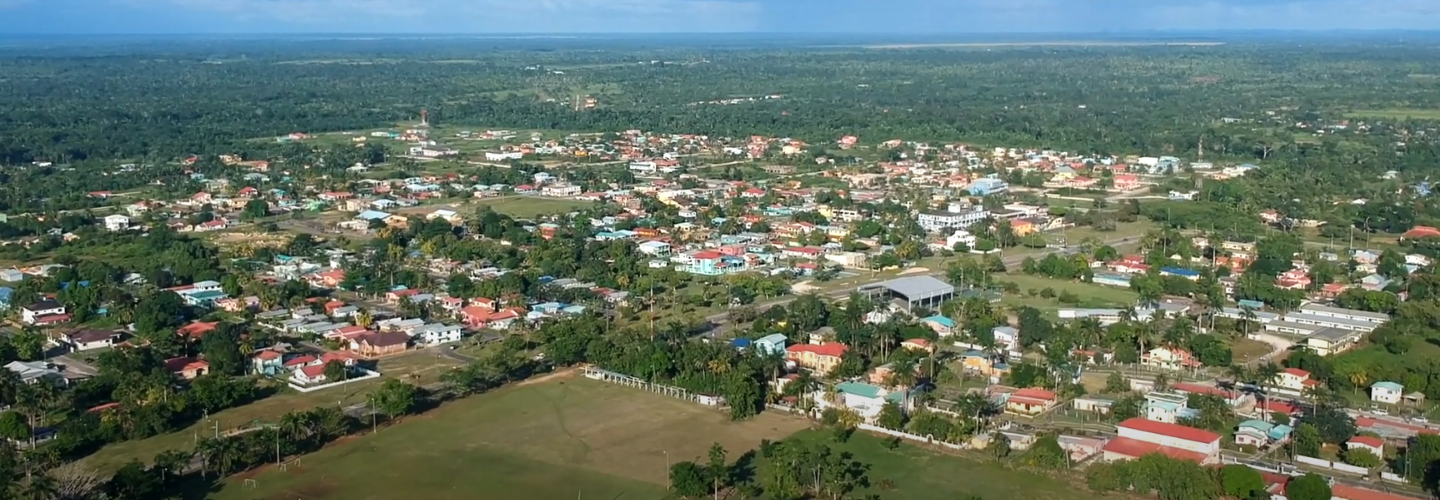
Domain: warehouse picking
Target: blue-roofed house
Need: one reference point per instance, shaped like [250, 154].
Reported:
[5, 295]
[942, 326]
[11, 275]
[771, 344]
[1189, 274]
[987, 186]
[372, 215]
[547, 307]
[740, 343]
[1259, 433]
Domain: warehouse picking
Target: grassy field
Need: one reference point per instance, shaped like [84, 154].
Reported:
[528, 207]
[419, 367]
[1396, 113]
[918, 474]
[1091, 295]
[1245, 350]
[548, 440]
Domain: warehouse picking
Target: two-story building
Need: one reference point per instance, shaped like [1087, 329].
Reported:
[821, 358]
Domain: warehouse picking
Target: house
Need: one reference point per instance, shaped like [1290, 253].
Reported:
[187, 367]
[1259, 433]
[84, 340]
[1093, 404]
[380, 343]
[1139, 436]
[942, 326]
[1295, 379]
[116, 222]
[1168, 407]
[196, 329]
[34, 371]
[866, 399]
[436, 334]
[1030, 401]
[266, 362]
[32, 313]
[309, 375]
[772, 344]
[818, 357]
[1170, 358]
[1386, 392]
[921, 345]
[1371, 444]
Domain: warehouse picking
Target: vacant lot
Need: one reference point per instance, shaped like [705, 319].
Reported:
[527, 207]
[551, 440]
[1091, 295]
[912, 473]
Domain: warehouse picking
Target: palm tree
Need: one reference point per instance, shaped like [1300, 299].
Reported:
[1238, 374]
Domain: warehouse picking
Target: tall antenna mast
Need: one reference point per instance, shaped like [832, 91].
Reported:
[424, 118]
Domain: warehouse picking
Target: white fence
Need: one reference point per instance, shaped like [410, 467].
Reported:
[312, 388]
[912, 437]
[1394, 478]
[638, 383]
[1332, 465]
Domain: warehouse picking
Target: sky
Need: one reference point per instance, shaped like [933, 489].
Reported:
[704, 16]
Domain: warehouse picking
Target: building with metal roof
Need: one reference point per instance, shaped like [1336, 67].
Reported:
[921, 291]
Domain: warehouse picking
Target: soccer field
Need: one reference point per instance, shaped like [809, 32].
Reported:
[557, 439]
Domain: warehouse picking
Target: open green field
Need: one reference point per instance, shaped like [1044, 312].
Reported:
[527, 207]
[554, 439]
[919, 474]
[1091, 295]
[1396, 113]
[418, 368]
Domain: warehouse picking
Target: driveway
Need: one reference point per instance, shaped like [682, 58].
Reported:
[1277, 343]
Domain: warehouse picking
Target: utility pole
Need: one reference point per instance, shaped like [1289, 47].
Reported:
[374, 427]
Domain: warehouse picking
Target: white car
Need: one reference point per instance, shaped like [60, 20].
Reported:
[1380, 411]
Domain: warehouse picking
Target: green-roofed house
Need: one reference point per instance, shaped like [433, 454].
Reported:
[866, 399]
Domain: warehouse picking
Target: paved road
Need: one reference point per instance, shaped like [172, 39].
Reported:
[1277, 345]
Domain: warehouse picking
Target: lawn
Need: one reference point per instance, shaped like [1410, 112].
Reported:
[1245, 350]
[918, 474]
[1091, 295]
[525, 207]
[556, 439]
[419, 367]
[1396, 113]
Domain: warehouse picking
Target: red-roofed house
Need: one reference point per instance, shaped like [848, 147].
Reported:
[347, 333]
[327, 279]
[299, 362]
[1126, 182]
[197, 329]
[818, 357]
[186, 367]
[1139, 436]
[1371, 444]
[309, 375]
[1295, 379]
[1030, 401]
[919, 345]
[394, 296]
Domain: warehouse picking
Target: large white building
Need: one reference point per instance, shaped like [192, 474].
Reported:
[957, 216]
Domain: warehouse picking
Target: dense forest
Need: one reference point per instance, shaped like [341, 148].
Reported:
[158, 103]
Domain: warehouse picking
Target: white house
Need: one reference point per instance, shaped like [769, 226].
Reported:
[29, 314]
[561, 190]
[84, 340]
[1294, 380]
[865, 399]
[309, 375]
[117, 222]
[1386, 392]
[436, 334]
[503, 156]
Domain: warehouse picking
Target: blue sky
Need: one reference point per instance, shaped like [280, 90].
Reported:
[674, 16]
